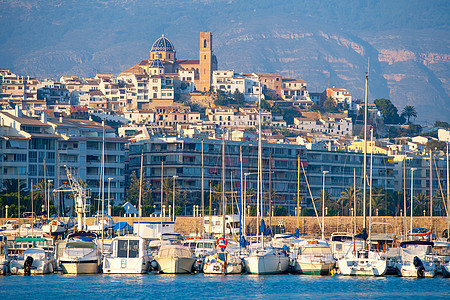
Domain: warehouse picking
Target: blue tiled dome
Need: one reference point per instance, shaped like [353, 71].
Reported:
[156, 63]
[163, 44]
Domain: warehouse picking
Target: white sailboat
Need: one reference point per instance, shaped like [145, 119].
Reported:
[363, 262]
[129, 256]
[264, 260]
[223, 262]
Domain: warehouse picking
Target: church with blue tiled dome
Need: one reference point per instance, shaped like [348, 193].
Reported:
[163, 62]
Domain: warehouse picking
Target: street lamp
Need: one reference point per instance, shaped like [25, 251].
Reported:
[323, 205]
[412, 189]
[173, 193]
[109, 195]
[48, 199]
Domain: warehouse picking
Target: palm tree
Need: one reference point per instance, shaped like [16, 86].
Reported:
[40, 192]
[409, 111]
[168, 187]
[328, 198]
[250, 193]
[347, 197]
[422, 202]
[378, 198]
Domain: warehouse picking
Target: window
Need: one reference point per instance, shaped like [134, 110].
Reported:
[122, 248]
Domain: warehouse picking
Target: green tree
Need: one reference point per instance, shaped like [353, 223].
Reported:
[347, 197]
[389, 111]
[329, 199]
[436, 145]
[238, 97]
[265, 105]
[132, 193]
[441, 124]
[421, 204]
[413, 129]
[408, 112]
[276, 110]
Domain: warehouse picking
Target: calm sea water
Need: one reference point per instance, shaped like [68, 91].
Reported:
[202, 286]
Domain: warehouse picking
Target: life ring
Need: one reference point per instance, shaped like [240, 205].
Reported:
[222, 242]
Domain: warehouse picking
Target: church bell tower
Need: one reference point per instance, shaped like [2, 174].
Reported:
[205, 72]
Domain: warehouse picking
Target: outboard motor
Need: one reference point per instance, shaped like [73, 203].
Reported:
[27, 266]
[419, 265]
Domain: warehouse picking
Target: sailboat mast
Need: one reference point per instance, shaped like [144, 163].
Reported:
[298, 192]
[431, 193]
[370, 185]
[162, 197]
[103, 183]
[203, 196]
[354, 202]
[140, 190]
[224, 207]
[241, 209]
[365, 153]
[404, 195]
[258, 189]
[448, 194]
[210, 208]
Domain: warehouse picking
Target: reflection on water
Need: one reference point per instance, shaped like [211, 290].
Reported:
[217, 286]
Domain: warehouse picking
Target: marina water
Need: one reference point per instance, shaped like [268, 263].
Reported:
[201, 286]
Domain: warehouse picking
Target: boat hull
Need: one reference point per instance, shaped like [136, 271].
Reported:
[362, 267]
[125, 265]
[176, 265]
[445, 270]
[266, 264]
[79, 267]
[222, 268]
[311, 268]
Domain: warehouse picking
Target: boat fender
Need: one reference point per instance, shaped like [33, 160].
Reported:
[419, 265]
[154, 264]
[27, 266]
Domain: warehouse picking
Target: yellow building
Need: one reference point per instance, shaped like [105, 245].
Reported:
[359, 146]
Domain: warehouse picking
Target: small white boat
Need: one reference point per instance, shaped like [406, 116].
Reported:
[99, 223]
[267, 261]
[362, 263]
[313, 257]
[79, 254]
[4, 257]
[129, 256]
[37, 260]
[222, 262]
[54, 227]
[416, 259]
[175, 259]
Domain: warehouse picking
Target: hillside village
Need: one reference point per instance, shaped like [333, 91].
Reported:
[168, 109]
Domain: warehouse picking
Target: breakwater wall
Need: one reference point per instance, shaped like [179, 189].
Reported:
[310, 225]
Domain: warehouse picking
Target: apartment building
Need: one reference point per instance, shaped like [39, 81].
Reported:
[34, 149]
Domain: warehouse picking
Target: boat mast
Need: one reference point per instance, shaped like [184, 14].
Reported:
[102, 182]
[354, 202]
[298, 192]
[270, 190]
[365, 156]
[404, 195]
[448, 195]
[203, 197]
[241, 209]
[210, 208]
[370, 187]
[224, 207]
[162, 197]
[258, 189]
[140, 190]
[431, 194]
